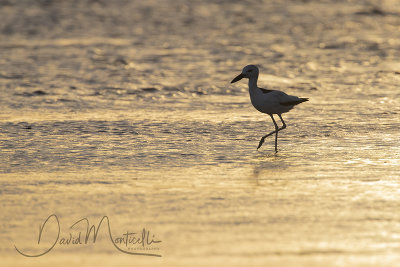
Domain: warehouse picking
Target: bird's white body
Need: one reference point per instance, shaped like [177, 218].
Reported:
[268, 101]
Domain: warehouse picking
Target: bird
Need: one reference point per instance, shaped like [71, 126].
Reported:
[268, 101]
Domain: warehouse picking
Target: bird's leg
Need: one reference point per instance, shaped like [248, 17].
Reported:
[284, 124]
[276, 134]
[271, 133]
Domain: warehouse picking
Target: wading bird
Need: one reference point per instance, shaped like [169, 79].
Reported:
[268, 101]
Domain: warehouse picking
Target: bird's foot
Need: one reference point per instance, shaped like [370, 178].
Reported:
[261, 142]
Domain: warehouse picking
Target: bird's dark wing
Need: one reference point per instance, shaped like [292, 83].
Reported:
[294, 102]
[266, 91]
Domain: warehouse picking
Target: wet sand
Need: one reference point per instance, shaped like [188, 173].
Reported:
[125, 110]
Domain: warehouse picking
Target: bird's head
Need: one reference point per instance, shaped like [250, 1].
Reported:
[248, 72]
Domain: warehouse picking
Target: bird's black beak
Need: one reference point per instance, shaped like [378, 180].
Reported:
[238, 78]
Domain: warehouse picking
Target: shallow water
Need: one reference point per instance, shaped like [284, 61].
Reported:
[125, 109]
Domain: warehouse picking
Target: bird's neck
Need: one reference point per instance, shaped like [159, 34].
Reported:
[253, 82]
